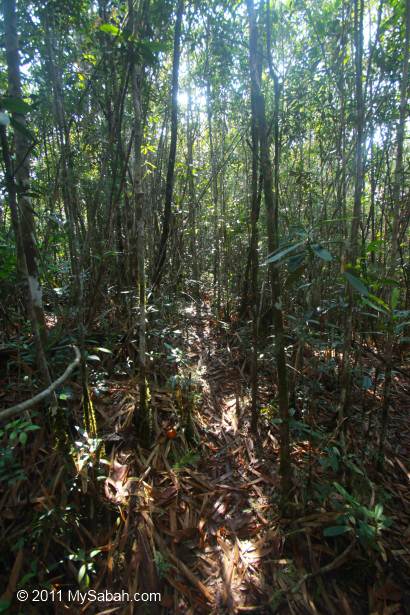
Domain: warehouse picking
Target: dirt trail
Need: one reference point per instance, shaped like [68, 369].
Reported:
[201, 518]
[233, 516]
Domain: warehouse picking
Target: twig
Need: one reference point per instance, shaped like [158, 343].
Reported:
[4, 414]
[338, 561]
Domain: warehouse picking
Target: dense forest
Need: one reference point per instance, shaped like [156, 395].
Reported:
[204, 307]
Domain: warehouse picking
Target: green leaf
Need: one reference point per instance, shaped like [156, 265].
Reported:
[374, 245]
[15, 105]
[322, 253]
[336, 530]
[94, 358]
[281, 253]
[103, 350]
[357, 283]
[366, 533]
[108, 28]
[378, 512]
[66, 393]
[82, 572]
[23, 438]
[379, 301]
[374, 305]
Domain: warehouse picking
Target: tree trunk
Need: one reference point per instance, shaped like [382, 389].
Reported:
[19, 187]
[141, 418]
[351, 252]
[398, 183]
[271, 203]
[192, 201]
[169, 186]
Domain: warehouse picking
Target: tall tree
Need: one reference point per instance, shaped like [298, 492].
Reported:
[273, 243]
[19, 185]
[169, 185]
[136, 72]
[397, 190]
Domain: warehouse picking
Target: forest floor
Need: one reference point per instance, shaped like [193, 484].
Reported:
[199, 521]
[211, 512]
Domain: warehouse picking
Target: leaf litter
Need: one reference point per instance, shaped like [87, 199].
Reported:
[201, 524]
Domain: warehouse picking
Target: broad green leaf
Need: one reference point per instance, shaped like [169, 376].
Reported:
[109, 28]
[374, 305]
[322, 253]
[23, 438]
[379, 301]
[336, 530]
[32, 427]
[357, 283]
[281, 253]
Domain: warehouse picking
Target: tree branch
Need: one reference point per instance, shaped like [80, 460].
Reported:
[4, 414]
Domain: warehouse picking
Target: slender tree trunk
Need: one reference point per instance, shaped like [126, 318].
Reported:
[398, 183]
[11, 187]
[19, 186]
[359, 170]
[70, 201]
[142, 418]
[352, 250]
[271, 203]
[169, 186]
[254, 266]
[22, 165]
[66, 173]
[215, 199]
[191, 192]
